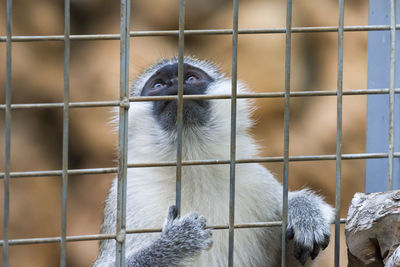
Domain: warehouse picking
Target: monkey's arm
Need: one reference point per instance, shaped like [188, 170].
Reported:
[181, 240]
[309, 219]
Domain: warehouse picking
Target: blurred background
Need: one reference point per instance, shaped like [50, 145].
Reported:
[37, 77]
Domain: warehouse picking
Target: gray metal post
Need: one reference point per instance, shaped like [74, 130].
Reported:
[286, 125]
[64, 194]
[232, 172]
[7, 154]
[383, 111]
[179, 124]
[123, 134]
[339, 123]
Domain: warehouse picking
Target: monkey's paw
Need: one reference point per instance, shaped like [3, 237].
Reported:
[188, 234]
[308, 224]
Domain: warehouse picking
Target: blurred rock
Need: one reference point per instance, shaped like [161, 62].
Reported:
[37, 77]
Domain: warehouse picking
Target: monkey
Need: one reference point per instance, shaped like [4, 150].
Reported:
[152, 136]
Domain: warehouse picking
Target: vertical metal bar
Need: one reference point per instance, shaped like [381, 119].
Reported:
[379, 64]
[288, 49]
[391, 90]
[339, 131]
[123, 134]
[7, 135]
[181, 47]
[233, 132]
[63, 245]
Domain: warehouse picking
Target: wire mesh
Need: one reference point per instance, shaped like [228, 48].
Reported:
[123, 103]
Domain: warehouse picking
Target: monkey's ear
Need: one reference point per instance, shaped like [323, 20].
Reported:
[172, 213]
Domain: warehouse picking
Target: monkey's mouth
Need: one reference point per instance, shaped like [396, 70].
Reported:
[194, 113]
[170, 106]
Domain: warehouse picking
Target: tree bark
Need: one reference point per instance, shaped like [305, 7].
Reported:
[373, 230]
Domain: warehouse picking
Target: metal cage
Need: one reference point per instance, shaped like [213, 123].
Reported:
[392, 155]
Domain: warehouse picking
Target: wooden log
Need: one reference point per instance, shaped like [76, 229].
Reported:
[373, 230]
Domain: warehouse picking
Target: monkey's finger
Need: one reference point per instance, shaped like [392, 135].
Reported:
[301, 253]
[209, 243]
[206, 236]
[325, 243]
[206, 233]
[315, 251]
[172, 213]
[202, 222]
[192, 216]
[290, 233]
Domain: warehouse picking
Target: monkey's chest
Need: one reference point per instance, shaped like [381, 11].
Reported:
[206, 192]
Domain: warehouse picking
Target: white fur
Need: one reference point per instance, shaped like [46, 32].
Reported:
[205, 188]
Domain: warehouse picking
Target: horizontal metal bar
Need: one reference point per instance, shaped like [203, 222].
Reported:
[59, 172]
[91, 37]
[197, 162]
[45, 240]
[61, 105]
[114, 103]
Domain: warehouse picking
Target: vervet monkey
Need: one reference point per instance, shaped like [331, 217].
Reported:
[205, 188]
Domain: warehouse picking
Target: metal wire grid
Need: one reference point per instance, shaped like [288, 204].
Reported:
[124, 36]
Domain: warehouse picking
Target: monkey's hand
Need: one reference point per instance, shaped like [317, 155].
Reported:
[187, 234]
[309, 219]
[180, 241]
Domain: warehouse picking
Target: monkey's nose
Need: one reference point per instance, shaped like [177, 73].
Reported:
[170, 82]
[172, 87]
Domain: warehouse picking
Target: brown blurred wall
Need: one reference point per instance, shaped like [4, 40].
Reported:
[37, 77]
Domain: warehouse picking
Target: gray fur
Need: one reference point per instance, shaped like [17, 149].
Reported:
[180, 241]
[307, 224]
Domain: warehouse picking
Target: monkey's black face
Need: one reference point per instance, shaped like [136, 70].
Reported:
[165, 82]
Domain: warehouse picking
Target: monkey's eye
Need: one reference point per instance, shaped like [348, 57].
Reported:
[191, 78]
[158, 84]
